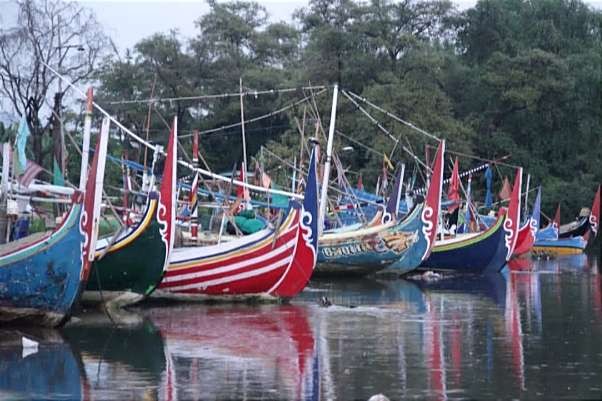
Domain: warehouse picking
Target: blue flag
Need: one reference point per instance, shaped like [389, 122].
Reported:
[21, 143]
[488, 183]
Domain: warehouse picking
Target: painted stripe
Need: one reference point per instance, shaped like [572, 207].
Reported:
[249, 268]
[235, 266]
[473, 240]
[233, 278]
[44, 242]
[194, 256]
[134, 234]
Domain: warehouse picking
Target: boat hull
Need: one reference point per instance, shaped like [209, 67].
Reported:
[525, 240]
[273, 262]
[561, 246]
[253, 265]
[40, 282]
[398, 248]
[483, 253]
[134, 264]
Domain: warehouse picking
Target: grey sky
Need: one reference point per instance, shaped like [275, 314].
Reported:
[127, 22]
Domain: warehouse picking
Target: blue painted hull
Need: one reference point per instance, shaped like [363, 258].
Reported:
[485, 253]
[561, 245]
[399, 248]
[41, 282]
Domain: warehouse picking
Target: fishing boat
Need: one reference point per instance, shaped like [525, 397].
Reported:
[549, 243]
[399, 245]
[42, 275]
[481, 252]
[587, 223]
[273, 262]
[130, 268]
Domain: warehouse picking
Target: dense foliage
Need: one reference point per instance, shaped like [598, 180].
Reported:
[518, 77]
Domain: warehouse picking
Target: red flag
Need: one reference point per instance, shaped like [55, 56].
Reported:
[506, 190]
[31, 171]
[360, 183]
[453, 192]
[556, 221]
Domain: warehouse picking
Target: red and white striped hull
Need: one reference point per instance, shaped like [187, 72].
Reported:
[265, 263]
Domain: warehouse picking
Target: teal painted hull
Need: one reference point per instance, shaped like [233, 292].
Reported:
[399, 248]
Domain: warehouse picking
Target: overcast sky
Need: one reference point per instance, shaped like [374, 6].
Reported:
[127, 22]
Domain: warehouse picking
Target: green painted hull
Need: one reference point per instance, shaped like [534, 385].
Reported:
[135, 263]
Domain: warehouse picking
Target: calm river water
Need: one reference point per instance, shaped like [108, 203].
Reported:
[534, 334]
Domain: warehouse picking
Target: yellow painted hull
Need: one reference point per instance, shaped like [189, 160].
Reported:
[556, 250]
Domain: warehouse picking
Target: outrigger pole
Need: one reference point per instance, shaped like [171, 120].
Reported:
[180, 162]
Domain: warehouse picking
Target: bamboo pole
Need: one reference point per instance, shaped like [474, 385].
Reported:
[323, 195]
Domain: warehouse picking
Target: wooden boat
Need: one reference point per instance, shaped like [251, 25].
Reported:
[42, 276]
[272, 262]
[481, 252]
[133, 266]
[559, 246]
[397, 245]
[549, 243]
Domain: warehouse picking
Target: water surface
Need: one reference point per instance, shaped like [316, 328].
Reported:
[532, 334]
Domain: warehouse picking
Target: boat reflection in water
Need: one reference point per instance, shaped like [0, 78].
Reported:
[122, 356]
[46, 367]
[237, 352]
[470, 337]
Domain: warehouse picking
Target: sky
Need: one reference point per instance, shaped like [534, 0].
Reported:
[152, 16]
[129, 21]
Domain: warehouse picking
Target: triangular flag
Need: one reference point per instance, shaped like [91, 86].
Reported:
[21, 142]
[57, 175]
[360, 183]
[453, 192]
[506, 190]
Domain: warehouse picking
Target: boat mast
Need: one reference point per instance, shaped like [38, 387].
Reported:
[242, 127]
[325, 178]
[527, 195]
[83, 173]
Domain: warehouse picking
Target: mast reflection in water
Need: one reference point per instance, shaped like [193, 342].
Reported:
[531, 333]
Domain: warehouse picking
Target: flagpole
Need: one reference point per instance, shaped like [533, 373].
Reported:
[527, 195]
[333, 115]
[194, 223]
[242, 126]
[83, 173]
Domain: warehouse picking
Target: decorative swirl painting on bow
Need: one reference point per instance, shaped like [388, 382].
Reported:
[511, 222]
[308, 232]
[166, 209]
[309, 210]
[430, 213]
[594, 217]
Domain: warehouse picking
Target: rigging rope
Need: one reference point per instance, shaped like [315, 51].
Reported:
[218, 96]
[383, 129]
[156, 147]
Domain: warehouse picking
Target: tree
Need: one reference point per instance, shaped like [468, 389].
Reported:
[64, 36]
